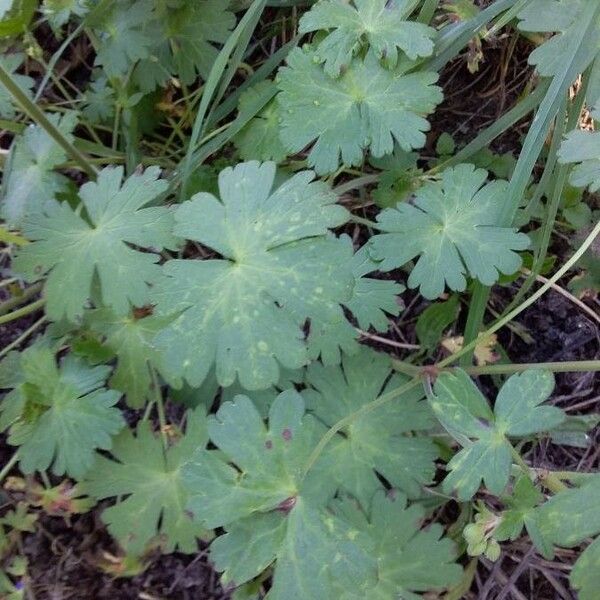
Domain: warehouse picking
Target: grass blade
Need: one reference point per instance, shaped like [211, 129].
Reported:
[248, 21]
[32, 110]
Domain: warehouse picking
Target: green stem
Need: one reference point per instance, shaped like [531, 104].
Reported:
[582, 366]
[427, 11]
[475, 316]
[22, 337]
[355, 184]
[160, 408]
[40, 118]
[349, 419]
[9, 465]
[21, 312]
[18, 300]
[361, 221]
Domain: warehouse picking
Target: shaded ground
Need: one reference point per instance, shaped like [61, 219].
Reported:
[66, 560]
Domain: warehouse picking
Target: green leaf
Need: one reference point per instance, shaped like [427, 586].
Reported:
[585, 576]
[58, 12]
[434, 320]
[563, 16]
[11, 62]
[259, 139]
[582, 148]
[271, 513]
[193, 29]
[183, 35]
[100, 101]
[409, 559]
[152, 481]
[371, 301]
[445, 145]
[520, 511]
[30, 180]
[466, 416]
[367, 108]
[380, 443]
[399, 179]
[131, 339]
[244, 312]
[60, 416]
[73, 249]
[275, 516]
[571, 516]
[453, 228]
[123, 36]
[381, 24]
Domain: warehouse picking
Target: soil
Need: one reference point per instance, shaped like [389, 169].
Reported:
[76, 559]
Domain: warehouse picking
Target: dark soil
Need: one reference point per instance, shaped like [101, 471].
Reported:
[67, 562]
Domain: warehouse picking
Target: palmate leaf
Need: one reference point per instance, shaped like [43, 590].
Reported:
[409, 559]
[274, 515]
[465, 414]
[270, 513]
[151, 481]
[367, 108]
[131, 339]
[582, 148]
[562, 16]
[381, 442]
[381, 23]
[30, 180]
[453, 227]
[124, 36]
[73, 249]
[11, 62]
[244, 312]
[59, 416]
[184, 36]
[371, 302]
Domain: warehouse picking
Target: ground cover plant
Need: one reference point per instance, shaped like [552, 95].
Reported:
[299, 299]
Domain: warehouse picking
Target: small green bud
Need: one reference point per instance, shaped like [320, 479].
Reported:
[493, 550]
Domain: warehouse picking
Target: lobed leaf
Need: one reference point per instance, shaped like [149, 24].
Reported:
[259, 139]
[453, 227]
[466, 416]
[367, 108]
[73, 249]
[562, 16]
[381, 443]
[30, 180]
[382, 24]
[582, 148]
[131, 339]
[275, 515]
[150, 478]
[371, 302]
[59, 416]
[244, 312]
